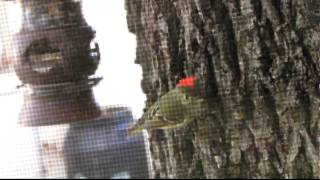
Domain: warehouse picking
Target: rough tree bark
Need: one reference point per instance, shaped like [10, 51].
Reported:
[260, 62]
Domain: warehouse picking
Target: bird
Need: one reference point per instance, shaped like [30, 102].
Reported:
[174, 109]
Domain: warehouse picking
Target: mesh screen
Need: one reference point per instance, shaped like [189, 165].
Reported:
[76, 76]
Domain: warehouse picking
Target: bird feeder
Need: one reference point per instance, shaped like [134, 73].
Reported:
[55, 54]
[74, 137]
[54, 44]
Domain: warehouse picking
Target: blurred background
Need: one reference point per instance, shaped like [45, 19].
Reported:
[120, 85]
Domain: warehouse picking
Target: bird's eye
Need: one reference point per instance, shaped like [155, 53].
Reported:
[187, 97]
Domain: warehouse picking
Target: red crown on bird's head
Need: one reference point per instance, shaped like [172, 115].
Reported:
[187, 82]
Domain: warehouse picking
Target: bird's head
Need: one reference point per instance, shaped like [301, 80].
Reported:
[189, 85]
[187, 82]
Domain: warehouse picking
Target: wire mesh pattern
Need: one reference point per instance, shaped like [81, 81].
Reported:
[58, 130]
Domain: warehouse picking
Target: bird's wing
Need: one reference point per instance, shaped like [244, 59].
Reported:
[166, 120]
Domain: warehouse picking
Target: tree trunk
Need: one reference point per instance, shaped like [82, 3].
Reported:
[260, 62]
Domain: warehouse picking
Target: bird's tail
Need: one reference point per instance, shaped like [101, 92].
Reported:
[134, 129]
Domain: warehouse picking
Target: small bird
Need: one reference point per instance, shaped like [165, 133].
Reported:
[175, 109]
